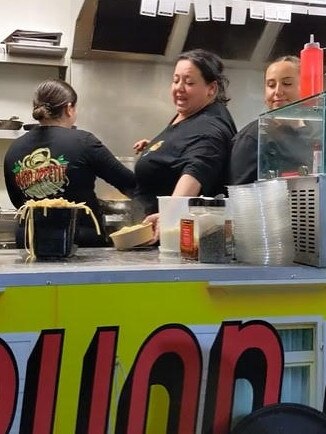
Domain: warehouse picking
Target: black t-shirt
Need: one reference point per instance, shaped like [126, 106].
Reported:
[52, 162]
[198, 146]
[243, 163]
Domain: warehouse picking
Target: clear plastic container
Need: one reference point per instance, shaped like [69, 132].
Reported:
[212, 233]
[229, 233]
[171, 209]
[292, 139]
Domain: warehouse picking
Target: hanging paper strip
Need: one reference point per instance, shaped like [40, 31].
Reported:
[148, 7]
[218, 8]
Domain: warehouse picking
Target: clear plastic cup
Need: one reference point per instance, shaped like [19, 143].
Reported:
[171, 209]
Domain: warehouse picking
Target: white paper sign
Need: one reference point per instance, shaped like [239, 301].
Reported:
[202, 12]
[148, 7]
[284, 13]
[270, 12]
[218, 8]
[239, 13]
[166, 8]
[316, 11]
[299, 9]
[182, 7]
[257, 10]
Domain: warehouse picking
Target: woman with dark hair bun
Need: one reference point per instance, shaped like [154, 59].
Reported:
[55, 160]
[50, 100]
[190, 156]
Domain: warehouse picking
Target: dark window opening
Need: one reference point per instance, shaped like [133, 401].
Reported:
[120, 27]
[294, 35]
[227, 40]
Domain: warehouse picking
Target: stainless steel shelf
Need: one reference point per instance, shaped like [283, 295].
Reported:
[107, 265]
[9, 135]
[60, 63]
[33, 60]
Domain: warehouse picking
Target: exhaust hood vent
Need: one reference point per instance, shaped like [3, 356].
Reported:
[115, 29]
[120, 27]
[294, 35]
[227, 40]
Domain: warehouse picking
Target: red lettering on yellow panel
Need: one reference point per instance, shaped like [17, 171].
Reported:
[252, 350]
[8, 387]
[170, 357]
[41, 385]
[96, 383]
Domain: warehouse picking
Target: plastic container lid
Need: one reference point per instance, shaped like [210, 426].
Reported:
[196, 201]
[214, 202]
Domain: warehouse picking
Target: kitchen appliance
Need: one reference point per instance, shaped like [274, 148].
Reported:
[28, 127]
[291, 146]
[8, 225]
[118, 210]
[308, 215]
[11, 124]
[116, 214]
[36, 43]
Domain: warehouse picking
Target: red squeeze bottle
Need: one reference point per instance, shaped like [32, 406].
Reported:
[311, 69]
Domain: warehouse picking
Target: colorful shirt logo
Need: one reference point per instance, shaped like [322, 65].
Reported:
[153, 147]
[39, 175]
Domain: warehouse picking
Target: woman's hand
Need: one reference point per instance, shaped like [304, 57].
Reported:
[140, 145]
[154, 219]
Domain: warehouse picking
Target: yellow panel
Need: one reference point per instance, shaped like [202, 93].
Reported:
[158, 410]
[138, 309]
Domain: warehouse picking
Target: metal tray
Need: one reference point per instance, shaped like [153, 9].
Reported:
[10, 124]
[36, 50]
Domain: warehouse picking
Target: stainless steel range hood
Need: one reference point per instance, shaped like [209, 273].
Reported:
[114, 29]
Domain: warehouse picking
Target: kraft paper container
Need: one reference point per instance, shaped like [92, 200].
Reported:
[132, 236]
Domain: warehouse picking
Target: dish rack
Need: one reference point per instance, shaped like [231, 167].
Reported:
[308, 215]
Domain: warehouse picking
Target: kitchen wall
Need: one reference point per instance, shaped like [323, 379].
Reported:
[39, 15]
[18, 81]
[16, 84]
[125, 101]
[119, 101]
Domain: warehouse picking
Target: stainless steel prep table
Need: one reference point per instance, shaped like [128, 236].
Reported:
[107, 265]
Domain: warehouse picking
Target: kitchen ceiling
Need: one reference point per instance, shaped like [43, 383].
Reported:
[115, 29]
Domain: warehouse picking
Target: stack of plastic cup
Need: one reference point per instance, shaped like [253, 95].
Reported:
[262, 223]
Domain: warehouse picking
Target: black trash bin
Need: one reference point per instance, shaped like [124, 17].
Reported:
[54, 231]
[285, 418]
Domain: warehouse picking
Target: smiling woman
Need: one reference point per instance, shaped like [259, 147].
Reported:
[190, 156]
[282, 82]
[282, 87]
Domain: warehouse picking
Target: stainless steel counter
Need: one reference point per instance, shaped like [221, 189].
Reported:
[107, 265]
